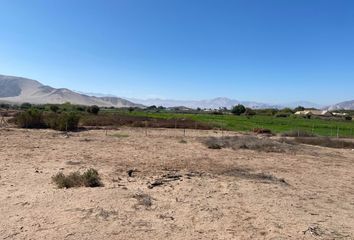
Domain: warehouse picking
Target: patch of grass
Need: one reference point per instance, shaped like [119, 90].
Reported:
[321, 127]
[120, 135]
[73, 162]
[90, 178]
[183, 141]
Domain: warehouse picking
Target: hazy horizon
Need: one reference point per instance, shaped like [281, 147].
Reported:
[265, 51]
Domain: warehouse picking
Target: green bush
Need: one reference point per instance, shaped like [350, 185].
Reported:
[348, 118]
[32, 118]
[299, 108]
[91, 178]
[62, 121]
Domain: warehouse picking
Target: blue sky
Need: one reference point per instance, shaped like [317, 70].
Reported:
[262, 50]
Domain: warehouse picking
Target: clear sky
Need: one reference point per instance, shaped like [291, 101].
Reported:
[262, 50]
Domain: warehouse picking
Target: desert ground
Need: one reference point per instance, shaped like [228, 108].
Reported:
[177, 189]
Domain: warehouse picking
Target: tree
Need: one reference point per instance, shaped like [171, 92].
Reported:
[153, 107]
[287, 110]
[26, 106]
[93, 109]
[299, 108]
[54, 108]
[238, 109]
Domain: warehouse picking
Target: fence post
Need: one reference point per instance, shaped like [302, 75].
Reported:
[338, 132]
[146, 131]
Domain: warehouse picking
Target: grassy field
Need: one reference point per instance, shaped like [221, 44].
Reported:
[277, 125]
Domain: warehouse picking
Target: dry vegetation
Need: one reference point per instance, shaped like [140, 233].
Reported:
[89, 178]
[247, 142]
[167, 185]
[321, 141]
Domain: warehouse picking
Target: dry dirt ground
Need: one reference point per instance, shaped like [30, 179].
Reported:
[204, 193]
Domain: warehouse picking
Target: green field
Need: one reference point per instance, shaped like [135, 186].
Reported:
[277, 125]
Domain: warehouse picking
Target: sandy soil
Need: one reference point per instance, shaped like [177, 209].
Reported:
[208, 194]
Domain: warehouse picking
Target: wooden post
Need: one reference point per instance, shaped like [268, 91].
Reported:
[146, 131]
[222, 129]
[338, 132]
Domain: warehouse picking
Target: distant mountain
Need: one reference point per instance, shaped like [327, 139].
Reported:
[304, 104]
[212, 103]
[20, 90]
[220, 103]
[348, 105]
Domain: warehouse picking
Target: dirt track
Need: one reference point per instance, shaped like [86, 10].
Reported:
[207, 194]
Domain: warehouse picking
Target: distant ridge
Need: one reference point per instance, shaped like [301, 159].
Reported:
[219, 102]
[20, 90]
[347, 105]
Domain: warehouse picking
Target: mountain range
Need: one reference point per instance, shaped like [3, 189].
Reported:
[20, 90]
[220, 102]
[347, 105]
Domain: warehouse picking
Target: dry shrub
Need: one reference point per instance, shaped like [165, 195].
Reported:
[262, 131]
[143, 199]
[322, 141]
[249, 175]
[69, 181]
[246, 142]
[298, 133]
[90, 178]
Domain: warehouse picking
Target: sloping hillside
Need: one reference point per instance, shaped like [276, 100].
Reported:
[348, 105]
[20, 90]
